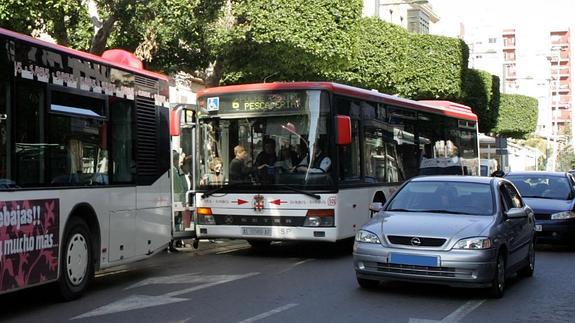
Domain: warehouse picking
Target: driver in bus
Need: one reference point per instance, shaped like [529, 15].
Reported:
[320, 163]
[239, 171]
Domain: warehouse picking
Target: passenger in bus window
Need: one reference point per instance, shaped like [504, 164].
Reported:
[239, 171]
[287, 159]
[320, 163]
[215, 177]
[267, 157]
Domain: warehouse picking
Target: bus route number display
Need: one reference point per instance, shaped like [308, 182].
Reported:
[258, 102]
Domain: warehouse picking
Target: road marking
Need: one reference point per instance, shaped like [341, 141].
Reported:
[456, 315]
[134, 302]
[294, 265]
[269, 313]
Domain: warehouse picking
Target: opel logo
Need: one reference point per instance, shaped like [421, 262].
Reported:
[229, 219]
[415, 241]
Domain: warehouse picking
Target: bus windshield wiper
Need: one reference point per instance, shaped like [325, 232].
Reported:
[315, 196]
[219, 189]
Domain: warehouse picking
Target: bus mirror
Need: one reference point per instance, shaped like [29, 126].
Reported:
[343, 130]
[175, 122]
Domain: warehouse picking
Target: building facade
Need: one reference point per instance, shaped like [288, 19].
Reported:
[414, 15]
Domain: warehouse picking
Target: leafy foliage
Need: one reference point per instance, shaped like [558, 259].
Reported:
[171, 35]
[483, 96]
[290, 40]
[64, 20]
[517, 116]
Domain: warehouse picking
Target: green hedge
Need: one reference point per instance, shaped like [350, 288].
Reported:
[481, 93]
[394, 61]
[290, 40]
[517, 116]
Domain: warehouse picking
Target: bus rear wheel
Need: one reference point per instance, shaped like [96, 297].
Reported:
[76, 262]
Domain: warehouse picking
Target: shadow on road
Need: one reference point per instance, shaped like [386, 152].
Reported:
[293, 249]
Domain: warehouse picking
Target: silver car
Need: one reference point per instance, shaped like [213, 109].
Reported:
[454, 230]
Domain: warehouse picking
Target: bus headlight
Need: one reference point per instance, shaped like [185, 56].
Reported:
[319, 218]
[205, 216]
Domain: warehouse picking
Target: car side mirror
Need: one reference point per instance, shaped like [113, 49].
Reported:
[516, 213]
[375, 206]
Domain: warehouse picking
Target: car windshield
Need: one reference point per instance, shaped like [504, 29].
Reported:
[542, 186]
[444, 197]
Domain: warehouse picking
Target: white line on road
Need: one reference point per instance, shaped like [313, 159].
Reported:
[134, 302]
[456, 315]
[294, 265]
[269, 313]
[462, 311]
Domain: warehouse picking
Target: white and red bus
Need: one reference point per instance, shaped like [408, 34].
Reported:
[372, 141]
[84, 163]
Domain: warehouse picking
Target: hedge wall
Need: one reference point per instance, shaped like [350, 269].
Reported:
[481, 93]
[290, 40]
[394, 61]
[517, 116]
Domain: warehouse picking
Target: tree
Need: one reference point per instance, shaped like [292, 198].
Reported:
[517, 116]
[273, 40]
[168, 35]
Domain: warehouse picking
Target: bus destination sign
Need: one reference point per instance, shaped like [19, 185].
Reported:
[256, 102]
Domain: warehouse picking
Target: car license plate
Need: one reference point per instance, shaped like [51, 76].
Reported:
[538, 227]
[414, 260]
[266, 232]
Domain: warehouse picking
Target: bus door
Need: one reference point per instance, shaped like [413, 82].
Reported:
[182, 132]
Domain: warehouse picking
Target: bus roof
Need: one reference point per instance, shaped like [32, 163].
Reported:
[73, 52]
[446, 108]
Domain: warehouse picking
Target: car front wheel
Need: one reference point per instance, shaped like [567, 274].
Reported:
[498, 282]
[529, 268]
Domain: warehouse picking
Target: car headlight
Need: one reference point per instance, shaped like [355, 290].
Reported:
[563, 215]
[366, 236]
[474, 243]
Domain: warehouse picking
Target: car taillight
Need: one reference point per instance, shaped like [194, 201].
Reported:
[319, 218]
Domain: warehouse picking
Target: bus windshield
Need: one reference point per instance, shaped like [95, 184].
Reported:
[275, 139]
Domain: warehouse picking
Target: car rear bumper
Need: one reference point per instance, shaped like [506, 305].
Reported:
[461, 268]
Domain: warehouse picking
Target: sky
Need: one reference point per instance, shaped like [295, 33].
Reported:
[524, 14]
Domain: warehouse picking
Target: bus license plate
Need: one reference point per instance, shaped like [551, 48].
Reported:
[266, 232]
[538, 227]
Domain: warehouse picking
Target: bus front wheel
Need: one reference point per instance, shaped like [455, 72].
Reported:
[76, 262]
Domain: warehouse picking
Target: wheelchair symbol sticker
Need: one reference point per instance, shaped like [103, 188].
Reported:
[213, 104]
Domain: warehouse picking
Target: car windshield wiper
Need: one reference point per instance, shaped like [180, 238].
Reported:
[401, 210]
[219, 189]
[315, 196]
[443, 211]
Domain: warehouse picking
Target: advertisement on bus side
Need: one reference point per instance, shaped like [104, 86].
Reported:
[29, 235]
